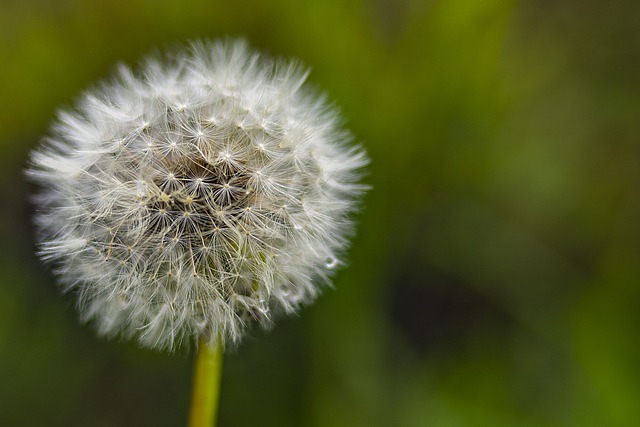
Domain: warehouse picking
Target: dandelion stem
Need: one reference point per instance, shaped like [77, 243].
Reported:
[206, 385]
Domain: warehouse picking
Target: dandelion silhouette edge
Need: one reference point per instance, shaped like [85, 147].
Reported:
[206, 192]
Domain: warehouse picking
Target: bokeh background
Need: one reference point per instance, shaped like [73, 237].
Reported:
[494, 280]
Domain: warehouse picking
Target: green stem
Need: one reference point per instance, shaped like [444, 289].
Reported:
[206, 385]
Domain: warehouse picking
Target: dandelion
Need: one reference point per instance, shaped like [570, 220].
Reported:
[207, 192]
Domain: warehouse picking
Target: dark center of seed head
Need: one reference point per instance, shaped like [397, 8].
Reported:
[201, 190]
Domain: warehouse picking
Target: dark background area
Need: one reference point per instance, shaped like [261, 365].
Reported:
[494, 277]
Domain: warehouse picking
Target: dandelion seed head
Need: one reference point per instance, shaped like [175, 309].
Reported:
[209, 191]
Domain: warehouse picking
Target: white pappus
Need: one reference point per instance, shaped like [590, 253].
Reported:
[207, 191]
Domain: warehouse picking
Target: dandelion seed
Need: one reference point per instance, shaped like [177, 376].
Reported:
[210, 191]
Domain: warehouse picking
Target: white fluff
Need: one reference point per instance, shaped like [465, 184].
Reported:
[208, 191]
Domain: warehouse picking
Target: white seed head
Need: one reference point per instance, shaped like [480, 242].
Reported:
[208, 191]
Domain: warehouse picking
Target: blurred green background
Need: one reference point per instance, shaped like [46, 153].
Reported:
[494, 280]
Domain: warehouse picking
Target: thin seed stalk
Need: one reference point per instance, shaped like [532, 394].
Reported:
[206, 385]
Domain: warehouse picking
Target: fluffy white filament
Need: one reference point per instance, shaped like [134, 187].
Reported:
[208, 191]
